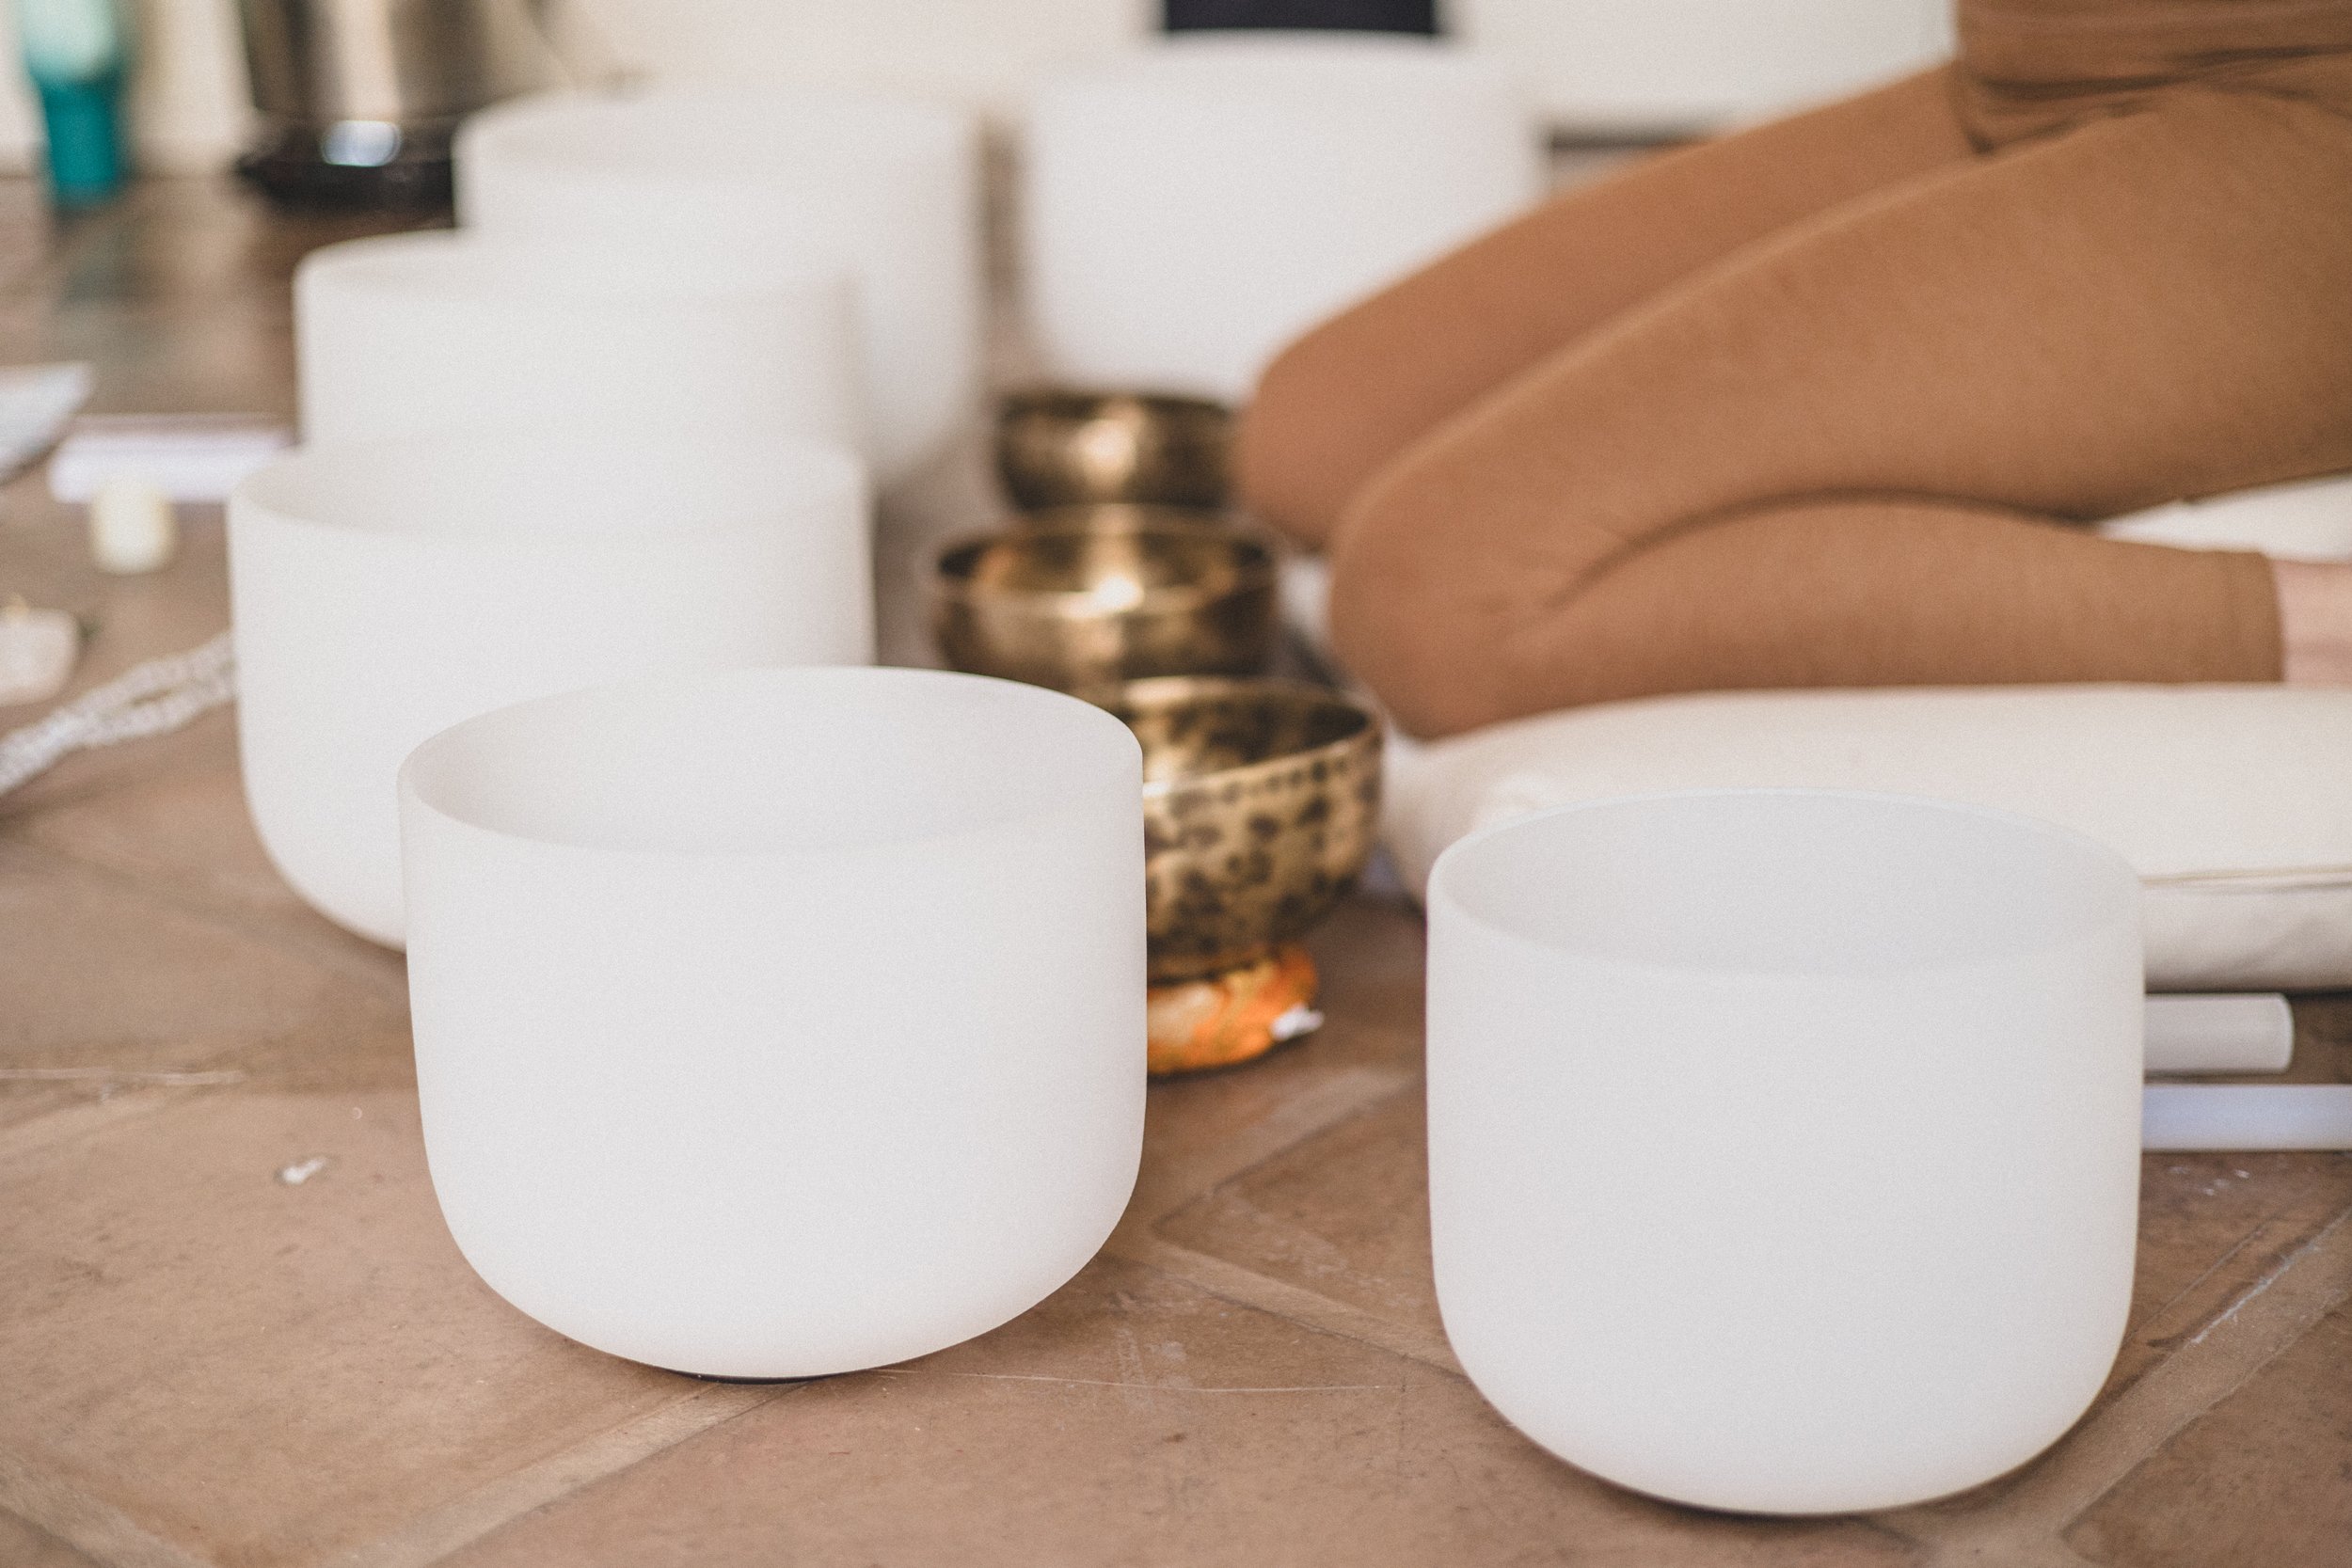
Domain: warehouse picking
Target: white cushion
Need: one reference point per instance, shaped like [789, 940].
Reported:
[2307, 519]
[2234, 803]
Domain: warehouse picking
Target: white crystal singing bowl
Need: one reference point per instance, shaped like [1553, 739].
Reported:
[1650, 68]
[405, 334]
[1784, 1146]
[383, 590]
[1192, 207]
[775, 1023]
[882, 188]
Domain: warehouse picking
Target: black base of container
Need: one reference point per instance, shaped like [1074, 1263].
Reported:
[406, 168]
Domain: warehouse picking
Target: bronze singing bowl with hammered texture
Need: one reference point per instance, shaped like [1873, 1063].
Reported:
[1083, 608]
[1261, 799]
[1062, 448]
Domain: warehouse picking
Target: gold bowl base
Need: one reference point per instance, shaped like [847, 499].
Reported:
[1221, 1019]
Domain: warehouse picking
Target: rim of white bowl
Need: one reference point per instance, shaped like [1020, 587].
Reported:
[1116, 762]
[2094, 857]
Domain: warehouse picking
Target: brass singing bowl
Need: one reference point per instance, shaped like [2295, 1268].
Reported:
[1261, 799]
[1120, 514]
[1085, 609]
[1062, 449]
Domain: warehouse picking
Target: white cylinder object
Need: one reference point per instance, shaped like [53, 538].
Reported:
[1784, 1144]
[132, 528]
[2220, 1032]
[775, 1024]
[1194, 206]
[407, 334]
[2245, 1118]
[383, 590]
[792, 180]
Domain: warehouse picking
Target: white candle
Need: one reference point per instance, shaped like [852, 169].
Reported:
[131, 526]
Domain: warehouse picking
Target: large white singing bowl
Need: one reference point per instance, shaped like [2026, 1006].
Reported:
[879, 187]
[1784, 1146]
[779, 1022]
[1194, 206]
[383, 590]
[409, 333]
[1652, 67]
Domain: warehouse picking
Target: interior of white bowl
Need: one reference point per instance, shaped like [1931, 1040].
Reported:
[624, 485]
[776, 761]
[1793, 882]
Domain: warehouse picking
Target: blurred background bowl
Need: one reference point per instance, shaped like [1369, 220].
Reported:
[1063, 448]
[1117, 514]
[1086, 607]
[1261, 799]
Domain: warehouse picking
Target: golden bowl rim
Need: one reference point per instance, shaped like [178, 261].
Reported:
[1194, 519]
[1257, 575]
[1370, 737]
[1073, 403]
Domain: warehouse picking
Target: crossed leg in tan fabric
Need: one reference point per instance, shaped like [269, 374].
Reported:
[1818, 405]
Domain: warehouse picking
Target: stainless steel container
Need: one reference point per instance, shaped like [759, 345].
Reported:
[359, 98]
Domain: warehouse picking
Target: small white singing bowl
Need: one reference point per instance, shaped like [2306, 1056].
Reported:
[884, 189]
[404, 334]
[775, 1024]
[383, 590]
[1784, 1146]
[1191, 206]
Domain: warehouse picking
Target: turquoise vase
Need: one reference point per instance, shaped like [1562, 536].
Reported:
[77, 53]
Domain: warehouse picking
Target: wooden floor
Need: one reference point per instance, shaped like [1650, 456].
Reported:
[203, 1362]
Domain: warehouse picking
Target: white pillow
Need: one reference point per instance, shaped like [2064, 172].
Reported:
[2234, 803]
[2306, 519]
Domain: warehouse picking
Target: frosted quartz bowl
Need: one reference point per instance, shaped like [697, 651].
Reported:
[775, 1023]
[383, 590]
[882, 188]
[1652, 69]
[407, 334]
[1193, 206]
[1784, 1146]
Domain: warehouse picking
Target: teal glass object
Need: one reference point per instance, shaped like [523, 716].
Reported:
[77, 53]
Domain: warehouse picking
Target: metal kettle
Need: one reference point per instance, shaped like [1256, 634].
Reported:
[359, 100]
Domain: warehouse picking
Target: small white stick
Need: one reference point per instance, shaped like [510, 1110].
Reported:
[2219, 1034]
[2244, 1118]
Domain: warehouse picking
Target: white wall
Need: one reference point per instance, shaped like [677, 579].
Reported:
[1603, 64]
[977, 51]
